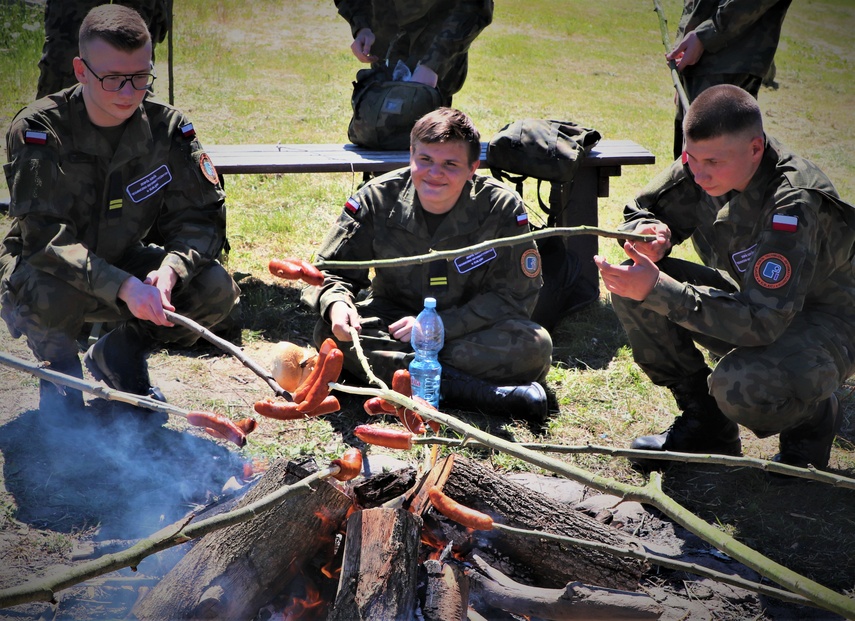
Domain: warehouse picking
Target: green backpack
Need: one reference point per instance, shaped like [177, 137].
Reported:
[385, 110]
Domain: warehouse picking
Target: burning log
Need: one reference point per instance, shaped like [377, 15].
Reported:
[510, 503]
[379, 568]
[447, 593]
[231, 573]
[574, 601]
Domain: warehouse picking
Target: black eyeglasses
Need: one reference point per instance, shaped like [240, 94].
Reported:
[113, 83]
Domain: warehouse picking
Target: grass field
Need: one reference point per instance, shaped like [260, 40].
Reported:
[269, 71]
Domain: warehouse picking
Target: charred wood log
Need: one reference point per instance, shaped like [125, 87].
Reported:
[232, 572]
[574, 601]
[447, 593]
[379, 568]
[550, 564]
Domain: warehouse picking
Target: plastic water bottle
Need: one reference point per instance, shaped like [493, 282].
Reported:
[428, 337]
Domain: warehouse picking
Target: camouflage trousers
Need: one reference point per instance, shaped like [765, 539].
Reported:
[62, 23]
[51, 313]
[766, 388]
[694, 85]
[513, 351]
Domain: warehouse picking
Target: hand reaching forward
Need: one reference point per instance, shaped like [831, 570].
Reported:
[634, 281]
[146, 300]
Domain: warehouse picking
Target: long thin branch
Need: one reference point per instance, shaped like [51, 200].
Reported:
[44, 589]
[231, 349]
[651, 494]
[662, 561]
[492, 243]
[666, 41]
[810, 473]
[99, 390]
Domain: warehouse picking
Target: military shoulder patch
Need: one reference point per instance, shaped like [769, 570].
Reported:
[34, 137]
[352, 206]
[772, 271]
[789, 224]
[188, 131]
[522, 219]
[530, 263]
[208, 169]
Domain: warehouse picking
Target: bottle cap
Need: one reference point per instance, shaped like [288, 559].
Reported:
[430, 302]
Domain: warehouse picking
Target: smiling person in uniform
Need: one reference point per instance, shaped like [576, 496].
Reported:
[93, 171]
[774, 301]
[494, 354]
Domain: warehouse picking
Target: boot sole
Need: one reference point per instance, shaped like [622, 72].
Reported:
[93, 364]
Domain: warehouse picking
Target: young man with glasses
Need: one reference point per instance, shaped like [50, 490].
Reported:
[94, 170]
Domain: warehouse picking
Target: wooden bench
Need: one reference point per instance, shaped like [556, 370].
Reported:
[579, 198]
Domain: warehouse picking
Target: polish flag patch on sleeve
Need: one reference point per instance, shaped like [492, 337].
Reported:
[187, 130]
[34, 137]
[522, 219]
[785, 223]
[352, 206]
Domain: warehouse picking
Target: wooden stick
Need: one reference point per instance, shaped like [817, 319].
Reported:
[662, 561]
[810, 473]
[231, 349]
[99, 390]
[675, 75]
[493, 243]
[43, 589]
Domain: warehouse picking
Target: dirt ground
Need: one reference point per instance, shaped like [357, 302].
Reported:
[110, 476]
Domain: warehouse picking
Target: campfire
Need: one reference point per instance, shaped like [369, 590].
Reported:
[377, 548]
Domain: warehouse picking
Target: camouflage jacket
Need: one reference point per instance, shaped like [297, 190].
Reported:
[435, 33]
[739, 36]
[786, 241]
[384, 221]
[78, 207]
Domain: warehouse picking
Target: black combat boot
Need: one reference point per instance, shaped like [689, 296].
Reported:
[118, 360]
[809, 442]
[61, 400]
[527, 401]
[700, 428]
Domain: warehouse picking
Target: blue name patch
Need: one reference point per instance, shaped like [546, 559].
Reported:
[471, 261]
[149, 185]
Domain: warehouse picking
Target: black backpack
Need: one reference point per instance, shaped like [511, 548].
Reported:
[551, 151]
[385, 110]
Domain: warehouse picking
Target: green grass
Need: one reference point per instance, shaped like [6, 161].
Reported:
[268, 71]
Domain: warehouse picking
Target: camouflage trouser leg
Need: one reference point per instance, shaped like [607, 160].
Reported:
[695, 85]
[772, 388]
[511, 351]
[766, 389]
[51, 313]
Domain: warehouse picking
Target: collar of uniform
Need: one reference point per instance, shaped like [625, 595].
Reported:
[461, 220]
[136, 140]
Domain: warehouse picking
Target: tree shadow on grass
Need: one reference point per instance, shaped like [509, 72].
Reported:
[588, 338]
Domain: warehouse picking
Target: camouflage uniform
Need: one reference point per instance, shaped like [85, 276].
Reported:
[435, 33]
[777, 301]
[740, 38]
[62, 25]
[81, 215]
[485, 300]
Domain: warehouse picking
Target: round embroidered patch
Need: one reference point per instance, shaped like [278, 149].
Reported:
[208, 169]
[772, 270]
[531, 263]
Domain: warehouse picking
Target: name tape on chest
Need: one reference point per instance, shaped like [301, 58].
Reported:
[742, 258]
[471, 261]
[149, 185]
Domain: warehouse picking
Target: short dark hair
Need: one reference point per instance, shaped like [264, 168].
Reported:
[444, 125]
[722, 110]
[118, 25]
